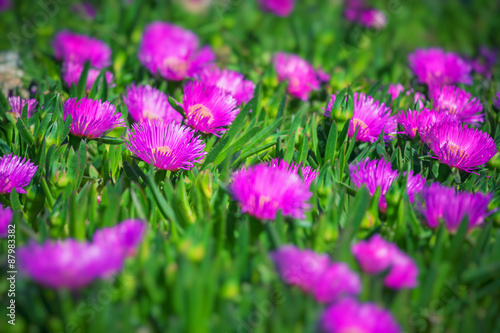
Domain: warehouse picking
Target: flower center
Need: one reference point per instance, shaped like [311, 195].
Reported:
[359, 123]
[150, 115]
[201, 112]
[177, 66]
[458, 152]
[165, 150]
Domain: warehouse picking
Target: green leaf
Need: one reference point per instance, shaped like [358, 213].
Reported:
[82, 82]
[76, 165]
[212, 155]
[331, 143]
[24, 132]
[173, 103]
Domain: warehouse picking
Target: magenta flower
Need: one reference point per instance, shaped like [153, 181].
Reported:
[308, 173]
[125, 236]
[322, 75]
[403, 273]
[5, 5]
[373, 174]
[281, 8]
[91, 119]
[420, 99]
[300, 75]
[231, 82]
[68, 264]
[168, 146]
[71, 47]
[421, 122]
[263, 190]
[438, 68]
[5, 221]
[440, 202]
[172, 51]
[496, 102]
[348, 315]
[485, 62]
[458, 102]
[71, 72]
[414, 184]
[208, 109]
[372, 18]
[17, 105]
[315, 274]
[458, 146]
[370, 118]
[15, 173]
[336, 282]
[145, 102]
[374, 256]
[301, 268]
[395, 90]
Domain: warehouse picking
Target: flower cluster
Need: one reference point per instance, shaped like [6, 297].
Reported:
[356, 11]
[421, 122]
[72, 264]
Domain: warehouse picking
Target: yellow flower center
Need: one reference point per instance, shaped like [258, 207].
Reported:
[359, 123]
[165, 150]
[178, 66]
[150, 115]
[458, 152]
[200, 112]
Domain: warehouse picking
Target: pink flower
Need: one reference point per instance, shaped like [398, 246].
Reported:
[403, 273]
[72, 71]
[277, 7]
[374, 256]
[72, 47]
[231, 82]
[172, 51]
[458, 103]
[300, 75]
[17, 105]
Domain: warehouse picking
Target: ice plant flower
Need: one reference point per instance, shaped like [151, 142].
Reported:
[69, 263]
[370, 118]
[71, 72]
[17, 104]
[403, 273]
[372, 18]
[172, 51]
[308, 173]
[395, 90]
[414, 184]
[315, 274]
[438, 68]
[15, 173]
[231, 82]
[145, 102]
[348, 315]
[301, 76]
[208, 109]
[263, 190]
[5, 220]
[459, 146]
[375, 255]
[281, 8]
[496, 102]
[421, 122]
[373, 174]
[91, 119]
[72, 47]
[459, 103]
[336, 282]
[444, 203]
[124, 237]
[5, 5]
[168, 146]
[301, 268]
[485, 62]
